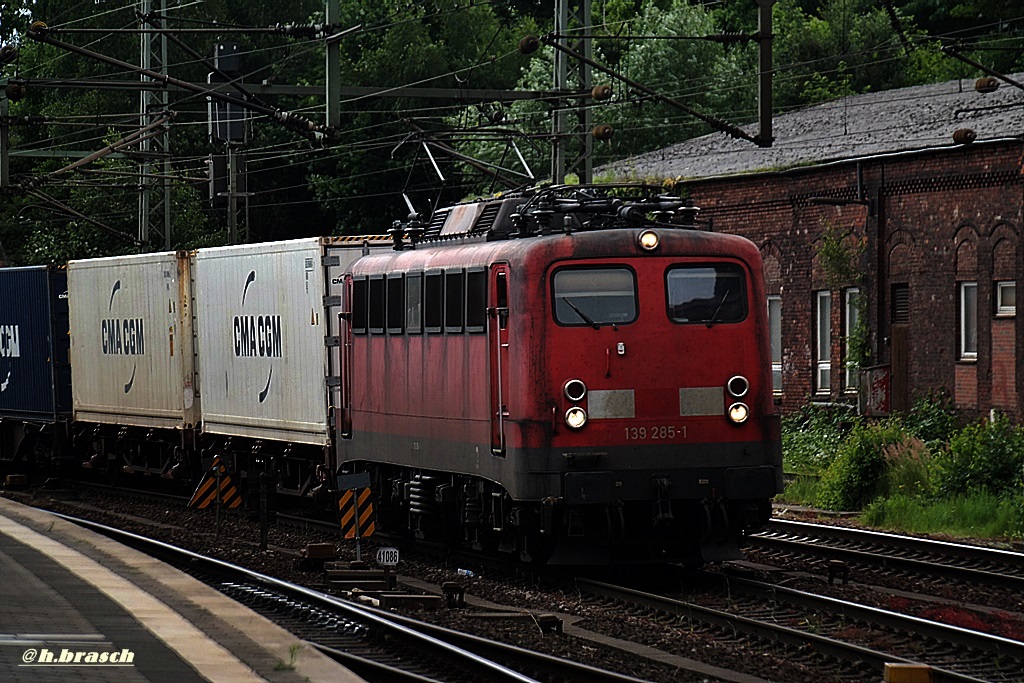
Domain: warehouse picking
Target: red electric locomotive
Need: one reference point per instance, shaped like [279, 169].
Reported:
[573, 375]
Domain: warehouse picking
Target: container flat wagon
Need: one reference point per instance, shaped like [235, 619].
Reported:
[35, 374]
[132, 352]
[267, 346]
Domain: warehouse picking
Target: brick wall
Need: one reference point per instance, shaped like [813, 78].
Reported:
[965, 393]
[1004, 364]
[927, 220]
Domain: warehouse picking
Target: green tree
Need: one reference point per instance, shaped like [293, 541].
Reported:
[442, 45]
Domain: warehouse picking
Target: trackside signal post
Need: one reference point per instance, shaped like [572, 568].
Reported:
[355, 508]
[215, 487]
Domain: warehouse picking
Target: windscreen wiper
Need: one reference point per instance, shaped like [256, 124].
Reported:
[583, 316]
[711, 321]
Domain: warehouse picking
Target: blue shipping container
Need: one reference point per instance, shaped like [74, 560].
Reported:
[35, 373]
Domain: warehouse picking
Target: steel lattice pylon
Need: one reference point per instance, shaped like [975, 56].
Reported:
[154, 192]
[572, 28]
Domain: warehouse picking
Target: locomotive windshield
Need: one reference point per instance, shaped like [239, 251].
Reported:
[706, 294]
[594, 296]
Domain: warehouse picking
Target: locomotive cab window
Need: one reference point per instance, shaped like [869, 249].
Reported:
[708, 294]
[594, 296]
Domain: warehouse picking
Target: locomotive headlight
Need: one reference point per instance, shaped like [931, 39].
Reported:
[575, 390]
[737, 386]
[649, 240]
[576, 417]
[738, 413]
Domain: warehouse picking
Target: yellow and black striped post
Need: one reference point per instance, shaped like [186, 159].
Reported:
[216, 486]
[355, 511]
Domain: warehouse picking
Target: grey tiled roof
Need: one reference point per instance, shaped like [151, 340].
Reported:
[918, 117]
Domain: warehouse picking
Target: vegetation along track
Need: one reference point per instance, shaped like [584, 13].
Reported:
[376, 644]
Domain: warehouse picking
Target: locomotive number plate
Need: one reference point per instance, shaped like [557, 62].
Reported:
[656, 433]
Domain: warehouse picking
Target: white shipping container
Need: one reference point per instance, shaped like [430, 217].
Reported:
[131, 340]
[262, 327]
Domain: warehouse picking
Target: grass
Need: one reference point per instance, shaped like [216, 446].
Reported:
[293, 651]
[978, 515]
[802, 490]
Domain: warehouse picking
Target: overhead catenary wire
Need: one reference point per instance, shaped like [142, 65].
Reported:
[381, 141]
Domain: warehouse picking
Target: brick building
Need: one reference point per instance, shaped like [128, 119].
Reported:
[876, 227]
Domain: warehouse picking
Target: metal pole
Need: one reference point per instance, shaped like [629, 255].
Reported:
[264, 530]
[584, 165]
[333, 67]
[359, 549]
[561, 85]
[765, 71]
[5, 144]
[145, 185]
[232, 195]
[154, 194]
[216, 474]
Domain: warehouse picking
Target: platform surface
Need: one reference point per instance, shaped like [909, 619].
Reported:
[77, 606]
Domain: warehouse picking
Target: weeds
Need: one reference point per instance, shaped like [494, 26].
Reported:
[858, 474]
[811, 437]
[293, 654]
[979, 515]
[917, 472]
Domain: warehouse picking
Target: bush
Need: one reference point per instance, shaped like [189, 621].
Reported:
[908, 468]
[811, 437]
[986, 457]
[856, 476]
[932, 420]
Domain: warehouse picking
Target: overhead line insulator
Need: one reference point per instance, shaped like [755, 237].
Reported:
[8, 53]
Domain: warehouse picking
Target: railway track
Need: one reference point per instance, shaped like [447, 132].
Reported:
[970, 563]
[834, 637]
[375, 644]
[839, 637]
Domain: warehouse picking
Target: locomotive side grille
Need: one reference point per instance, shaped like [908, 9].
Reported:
[486, 220]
